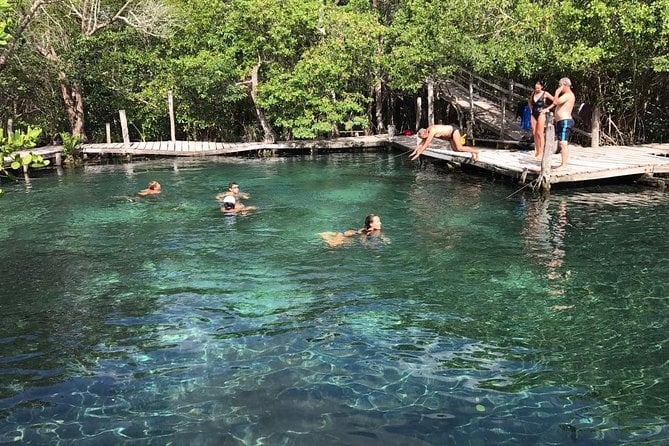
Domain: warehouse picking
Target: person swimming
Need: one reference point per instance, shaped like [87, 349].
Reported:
[372, 225]
[229, 203]
[153, 188]
[232, 206]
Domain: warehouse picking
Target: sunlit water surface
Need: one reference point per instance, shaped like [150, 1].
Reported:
[476, 319]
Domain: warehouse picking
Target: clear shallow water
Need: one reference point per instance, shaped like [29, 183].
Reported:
[480, 320]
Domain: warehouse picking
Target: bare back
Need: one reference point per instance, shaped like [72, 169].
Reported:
[442, 131]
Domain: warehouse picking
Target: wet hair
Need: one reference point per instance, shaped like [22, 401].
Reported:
[153, 185]
[422, 133]
[368, 221]
[231, 184]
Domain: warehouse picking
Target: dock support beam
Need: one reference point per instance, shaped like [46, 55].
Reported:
[471, 122]
[170, 103]
[595, 127]
[430, 102]
[124, 127]
[419, 111]
[550, 147]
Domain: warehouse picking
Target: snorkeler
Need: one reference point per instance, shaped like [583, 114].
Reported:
[372, 226]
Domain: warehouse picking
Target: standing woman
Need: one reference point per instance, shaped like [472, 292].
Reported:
[538, 102]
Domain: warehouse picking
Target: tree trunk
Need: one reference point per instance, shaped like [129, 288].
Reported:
[74, 104]
[270, 136]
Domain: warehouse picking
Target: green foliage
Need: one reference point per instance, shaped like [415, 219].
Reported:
[4, 22]
[71, 144]
[329, 85]
[20, 141]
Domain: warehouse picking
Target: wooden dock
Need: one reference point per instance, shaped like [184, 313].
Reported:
[586, 164]
[204, 148]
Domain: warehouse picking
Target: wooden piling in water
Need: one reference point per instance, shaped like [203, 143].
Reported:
[549, 149]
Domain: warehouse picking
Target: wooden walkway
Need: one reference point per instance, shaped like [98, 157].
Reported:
[204, 148]
[585, 163]
[488, 114]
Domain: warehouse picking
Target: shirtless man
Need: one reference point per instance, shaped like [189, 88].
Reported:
[449, 133]
[233, 189]
[564, 100]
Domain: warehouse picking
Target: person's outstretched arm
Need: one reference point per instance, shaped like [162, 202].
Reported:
[420, 148]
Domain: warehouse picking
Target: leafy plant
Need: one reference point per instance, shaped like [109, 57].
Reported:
[71, 144]
[20, 141]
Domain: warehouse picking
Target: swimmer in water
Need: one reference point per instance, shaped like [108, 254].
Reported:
[232, 206]
[372, 226]
[233, 189]
[152, 189]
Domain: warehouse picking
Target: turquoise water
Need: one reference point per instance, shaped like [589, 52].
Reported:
[477, 319]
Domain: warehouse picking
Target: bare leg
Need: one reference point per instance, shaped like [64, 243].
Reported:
[334, 239]
[456, 144]
[533, 121]
[539, 137]
[564, 153]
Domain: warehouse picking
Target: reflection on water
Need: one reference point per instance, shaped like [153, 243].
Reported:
[545, 240]
[483, 320]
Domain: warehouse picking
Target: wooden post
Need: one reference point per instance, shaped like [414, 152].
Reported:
[108, 131]
[550, 147]
[419, 111]
[501, 127]
[595, 127]
[470, 129]
[124, 127]
[170, 102]
[430, 102]
[512, 84]
[59, 159]
[10, 128]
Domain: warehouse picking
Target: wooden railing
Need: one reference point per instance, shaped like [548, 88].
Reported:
[505, 94]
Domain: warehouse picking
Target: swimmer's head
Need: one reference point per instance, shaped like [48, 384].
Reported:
[422, 133]
[229, 202]
[154, 185]
[233, 186]
[372, 222]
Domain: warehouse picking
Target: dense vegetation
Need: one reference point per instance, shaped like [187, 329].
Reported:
[279, 69]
